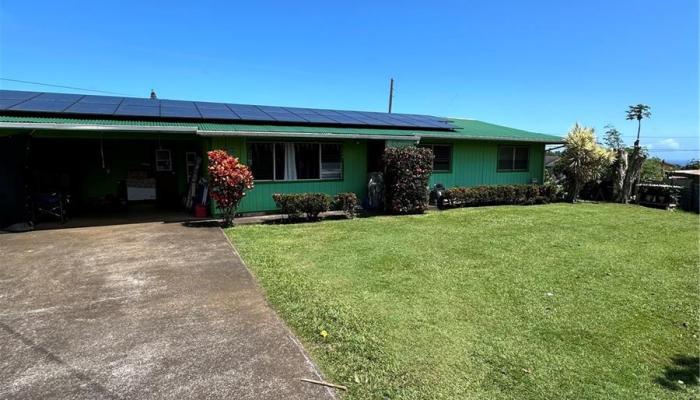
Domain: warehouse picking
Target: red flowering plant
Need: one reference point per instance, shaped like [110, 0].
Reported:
[228, 182]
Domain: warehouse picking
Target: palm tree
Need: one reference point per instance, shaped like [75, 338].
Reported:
[638, 112]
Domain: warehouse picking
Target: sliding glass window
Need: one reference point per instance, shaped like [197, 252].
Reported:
[291, 161]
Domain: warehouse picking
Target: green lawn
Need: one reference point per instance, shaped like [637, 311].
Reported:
[586, 301]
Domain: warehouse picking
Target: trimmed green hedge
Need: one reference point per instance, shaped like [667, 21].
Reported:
[298, 204]
[497, 195]
[346, 202]
[406, 174]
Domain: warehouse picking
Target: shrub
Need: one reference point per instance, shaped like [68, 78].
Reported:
[346, 202]
[501, 194]
[228, 181]
[583, 160]
[406, 174]
[308, 204]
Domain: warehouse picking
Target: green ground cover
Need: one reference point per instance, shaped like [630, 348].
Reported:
[585, 301]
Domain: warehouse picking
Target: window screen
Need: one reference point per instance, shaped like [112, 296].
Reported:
[306, 157]
[294, 161]
[513, 158]
[261, 160]
[331, 161]
[520, 162]
[442, 154]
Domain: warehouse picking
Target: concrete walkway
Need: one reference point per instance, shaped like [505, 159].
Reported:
[146, 311]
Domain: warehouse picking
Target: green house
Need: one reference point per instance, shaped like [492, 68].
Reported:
[112, 154]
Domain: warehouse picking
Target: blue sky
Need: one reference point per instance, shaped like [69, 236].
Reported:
[539, 65]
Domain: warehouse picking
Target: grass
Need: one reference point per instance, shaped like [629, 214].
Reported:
[586, 301]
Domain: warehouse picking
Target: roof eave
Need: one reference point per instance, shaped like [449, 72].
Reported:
[89, 127]
[324, 135]
[416, 136]
[496, 139]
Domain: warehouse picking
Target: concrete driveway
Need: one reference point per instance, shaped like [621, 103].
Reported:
[140, 311]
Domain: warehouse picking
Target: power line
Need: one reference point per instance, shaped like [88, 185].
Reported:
[663, 137]
[696, 150]
[64, 87]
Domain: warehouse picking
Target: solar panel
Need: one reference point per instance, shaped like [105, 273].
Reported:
[67, 97]
[179, 112]
[271, 109]
[249, 112]
[244, 108]
[91, 108]
[347, 120]
[7, 103]
[300, 111]
[131, 101]
[58, 103]
[215, 113]
[16, 94]
[286, 117]
[255, 117]
[41, 106]
[138, 111]
[90, 99]
[319, 119]
[206, 104]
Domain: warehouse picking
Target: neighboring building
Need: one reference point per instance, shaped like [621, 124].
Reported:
[550, 160]
[110, 152]
[689, 179]
[669, 167]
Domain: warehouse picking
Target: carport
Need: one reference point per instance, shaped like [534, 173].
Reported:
[96, 173]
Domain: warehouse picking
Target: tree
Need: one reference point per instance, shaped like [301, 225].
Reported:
[228, 181]
[627, 177]
[613, 138]
[692, 164]
[638, 112]
[583, 160]
[652, 170]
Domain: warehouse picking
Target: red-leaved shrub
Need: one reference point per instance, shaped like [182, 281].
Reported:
[228, 181]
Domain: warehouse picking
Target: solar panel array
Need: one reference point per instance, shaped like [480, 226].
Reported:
[130, 107]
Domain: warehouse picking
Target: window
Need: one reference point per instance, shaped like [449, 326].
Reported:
[164, 162]
[513, 158]
[442, 153]
[295, 161]
[331, 161]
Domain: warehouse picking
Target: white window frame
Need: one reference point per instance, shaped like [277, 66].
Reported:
[169, 165]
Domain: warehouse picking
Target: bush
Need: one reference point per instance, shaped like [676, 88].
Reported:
[501, 194]
[298, 204]
[406, 174]
[346, 202]
[228, 181]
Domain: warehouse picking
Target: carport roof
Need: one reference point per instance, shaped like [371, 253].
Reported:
[466, 129]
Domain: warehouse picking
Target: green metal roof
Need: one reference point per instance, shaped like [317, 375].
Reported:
[473, 129]
[466, 129]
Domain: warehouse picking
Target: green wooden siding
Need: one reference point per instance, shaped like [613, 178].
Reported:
[474, 163]
[260, 198]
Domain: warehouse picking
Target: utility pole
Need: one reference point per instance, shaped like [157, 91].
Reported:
[391, 93]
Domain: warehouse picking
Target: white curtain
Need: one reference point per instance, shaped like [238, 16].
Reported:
[290, 162]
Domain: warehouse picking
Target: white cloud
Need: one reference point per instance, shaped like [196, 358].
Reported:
[666, 144]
